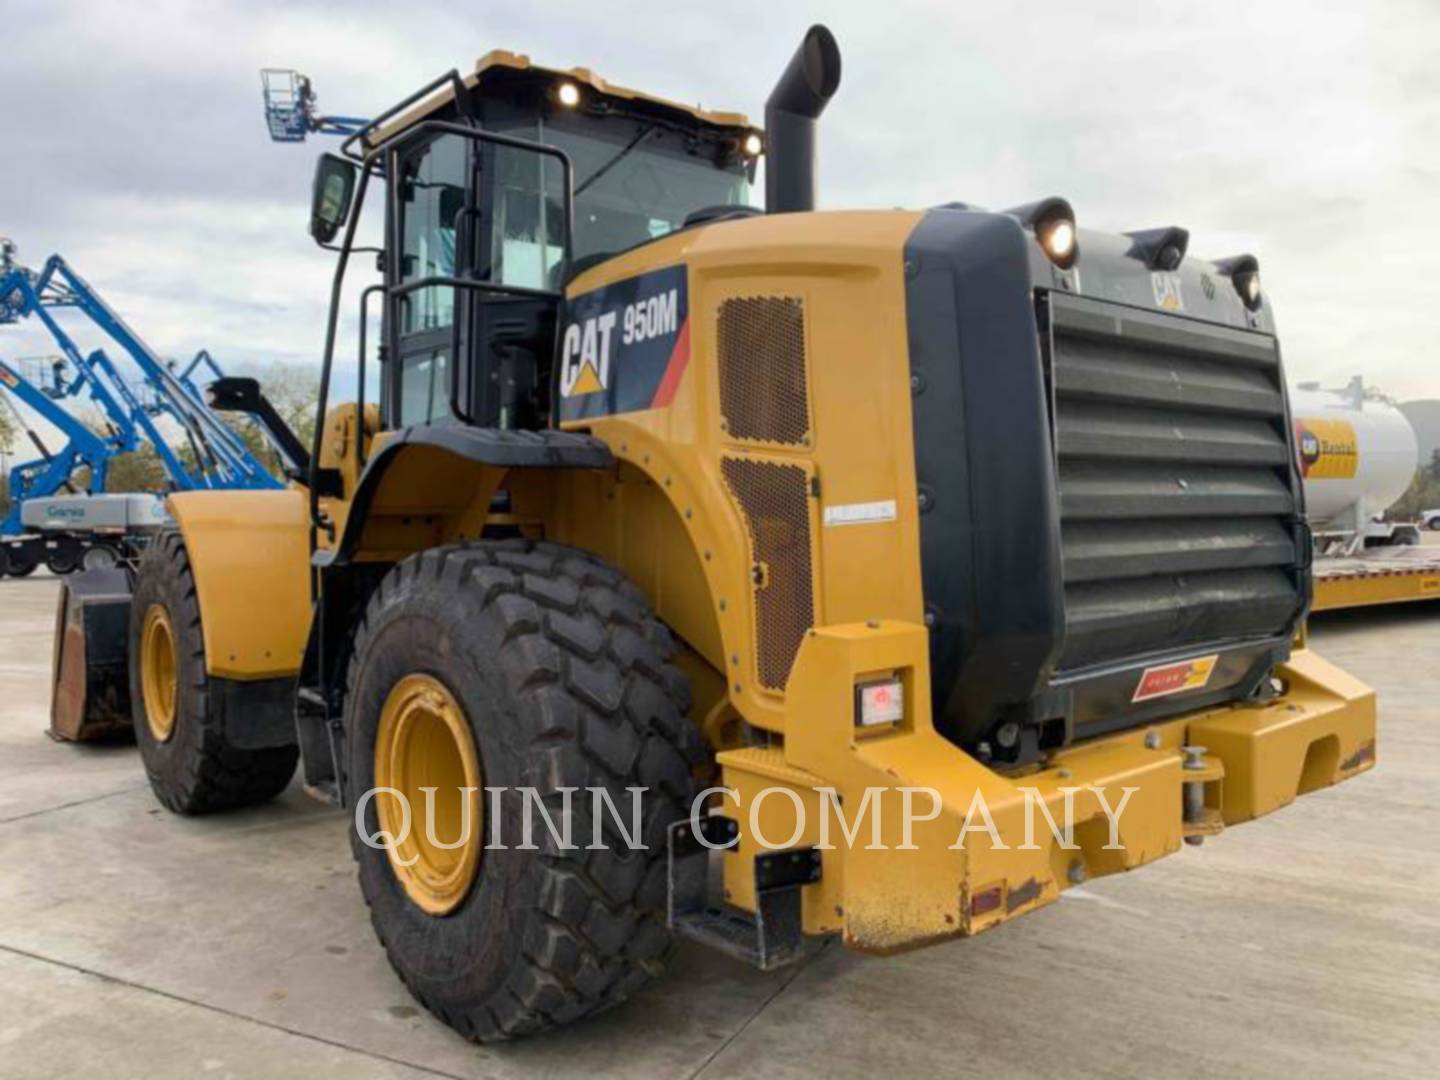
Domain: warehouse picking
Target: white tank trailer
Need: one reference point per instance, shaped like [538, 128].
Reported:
[1358, 454]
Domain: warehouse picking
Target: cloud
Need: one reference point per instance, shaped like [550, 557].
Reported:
[1306, 133]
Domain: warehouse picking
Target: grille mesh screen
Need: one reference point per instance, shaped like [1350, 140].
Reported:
[775, 500]
[761, 341]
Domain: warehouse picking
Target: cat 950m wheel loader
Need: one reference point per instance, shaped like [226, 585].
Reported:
[959, 554]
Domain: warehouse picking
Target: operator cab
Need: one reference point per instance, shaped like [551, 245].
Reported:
[503, 186]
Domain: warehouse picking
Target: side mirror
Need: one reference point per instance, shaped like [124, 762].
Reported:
[330, 196]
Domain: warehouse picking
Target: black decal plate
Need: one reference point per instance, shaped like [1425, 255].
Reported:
[625, 346]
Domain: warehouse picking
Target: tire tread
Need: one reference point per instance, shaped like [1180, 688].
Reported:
[581, 644]
[215, 775]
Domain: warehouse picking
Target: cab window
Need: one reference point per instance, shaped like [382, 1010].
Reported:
[432, 188]
[528, 239]
[432, 195]
[634, 181]
[425, 388]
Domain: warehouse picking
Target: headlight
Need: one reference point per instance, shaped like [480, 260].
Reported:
[1053, 223]
[1249, 286]
[1058, 240]
[568, 94]
[1159, 249]
[1244, 273]
[752, 145]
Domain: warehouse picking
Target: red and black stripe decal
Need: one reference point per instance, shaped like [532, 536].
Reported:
[625, 346]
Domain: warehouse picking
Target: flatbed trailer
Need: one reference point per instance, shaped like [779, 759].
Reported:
[1390, 575]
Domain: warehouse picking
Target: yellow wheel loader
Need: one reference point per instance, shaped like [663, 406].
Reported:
[881, 574]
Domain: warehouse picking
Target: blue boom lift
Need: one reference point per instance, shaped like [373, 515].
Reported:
[290, 108]
[132, 414]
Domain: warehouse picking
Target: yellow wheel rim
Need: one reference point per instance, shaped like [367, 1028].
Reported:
[424, 741]
[159, 670]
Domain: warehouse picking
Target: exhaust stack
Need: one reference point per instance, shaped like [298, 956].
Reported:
[809, 81]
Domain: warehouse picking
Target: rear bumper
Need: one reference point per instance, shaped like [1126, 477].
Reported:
[943, 846]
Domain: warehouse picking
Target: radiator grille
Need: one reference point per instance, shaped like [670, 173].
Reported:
[775, 499]
[761, 343]
[1176, 489]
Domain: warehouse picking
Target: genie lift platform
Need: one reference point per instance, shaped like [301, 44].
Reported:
[60, 513]
[290, 110]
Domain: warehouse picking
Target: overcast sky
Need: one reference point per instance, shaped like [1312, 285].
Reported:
[1307, 133]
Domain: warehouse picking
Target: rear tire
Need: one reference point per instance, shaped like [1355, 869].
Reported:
[192, 765]
[563, 678]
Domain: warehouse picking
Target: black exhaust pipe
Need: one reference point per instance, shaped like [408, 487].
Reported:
[810, 80]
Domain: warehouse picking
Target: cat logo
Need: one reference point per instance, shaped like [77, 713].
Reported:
[1328, 449]
[585, 356]
[625, 345]
[1167, 291]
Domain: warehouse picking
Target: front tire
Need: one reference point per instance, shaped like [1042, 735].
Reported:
[193, 766]
[547, 671]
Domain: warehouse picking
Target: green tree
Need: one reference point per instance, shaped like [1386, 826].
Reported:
[140, 470]
[7, 428]
[293, 391]
[7, 443]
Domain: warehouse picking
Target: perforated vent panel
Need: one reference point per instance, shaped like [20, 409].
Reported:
[761, 341]
[775, 500]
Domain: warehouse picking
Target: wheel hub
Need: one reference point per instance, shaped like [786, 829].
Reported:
[159, 667]
[424, 741]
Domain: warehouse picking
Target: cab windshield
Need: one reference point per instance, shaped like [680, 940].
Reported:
[634, 182]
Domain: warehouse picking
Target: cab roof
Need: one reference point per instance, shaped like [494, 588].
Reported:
[503, 59]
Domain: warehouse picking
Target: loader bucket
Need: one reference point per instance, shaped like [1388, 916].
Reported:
[90, 696]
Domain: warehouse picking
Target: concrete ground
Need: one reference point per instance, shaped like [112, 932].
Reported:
[138, 944]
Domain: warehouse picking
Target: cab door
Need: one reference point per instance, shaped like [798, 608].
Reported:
[480, 227]
[431, 213]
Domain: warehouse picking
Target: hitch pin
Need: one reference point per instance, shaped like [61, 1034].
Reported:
[1194, 790]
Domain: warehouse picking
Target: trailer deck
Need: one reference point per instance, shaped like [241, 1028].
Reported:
[1390, 575]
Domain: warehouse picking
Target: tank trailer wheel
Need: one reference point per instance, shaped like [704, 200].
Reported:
[516, 664]
[192, 765]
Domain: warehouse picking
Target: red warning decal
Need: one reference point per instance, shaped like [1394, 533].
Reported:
[1169, 679]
